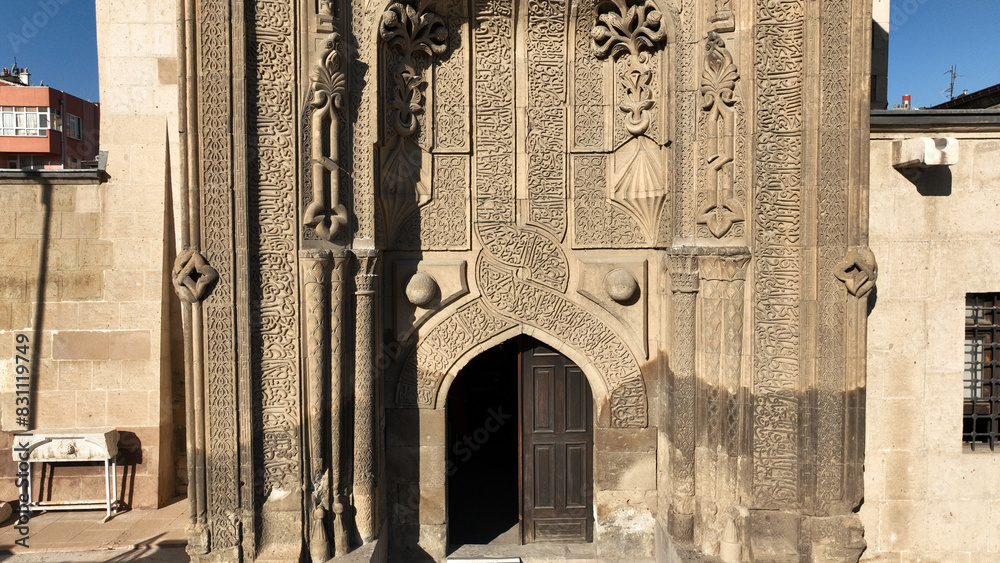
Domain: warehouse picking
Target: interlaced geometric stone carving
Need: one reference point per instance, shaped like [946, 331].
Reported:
[192, 276]
[858, 271]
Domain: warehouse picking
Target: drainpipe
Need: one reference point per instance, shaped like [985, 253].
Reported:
[62, 134]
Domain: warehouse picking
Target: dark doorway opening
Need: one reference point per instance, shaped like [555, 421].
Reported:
[483, 458]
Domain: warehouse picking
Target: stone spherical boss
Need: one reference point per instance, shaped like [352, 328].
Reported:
[620, 285]
[421, 289]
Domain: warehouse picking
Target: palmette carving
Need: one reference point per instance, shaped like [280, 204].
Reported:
[628, 33]
[720, 208]
[325, 214]
[405, 178]
[634, 31]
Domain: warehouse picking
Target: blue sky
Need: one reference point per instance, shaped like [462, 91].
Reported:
[57, 41]
[927, 37]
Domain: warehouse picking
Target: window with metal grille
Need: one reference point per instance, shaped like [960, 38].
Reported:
[981, 424]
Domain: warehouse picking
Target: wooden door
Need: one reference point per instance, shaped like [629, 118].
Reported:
[557, 447]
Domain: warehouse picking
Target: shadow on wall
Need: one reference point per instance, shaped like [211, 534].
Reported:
[930, 181]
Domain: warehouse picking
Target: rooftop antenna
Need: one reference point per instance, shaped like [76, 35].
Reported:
[951, 86]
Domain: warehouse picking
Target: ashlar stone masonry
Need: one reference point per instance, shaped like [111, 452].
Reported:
[669, 197]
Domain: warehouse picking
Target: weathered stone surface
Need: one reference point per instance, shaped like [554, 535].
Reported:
[670, 202]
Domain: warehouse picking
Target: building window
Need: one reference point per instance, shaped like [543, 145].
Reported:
[26, 161]
[74, 127]
[981, 424]
[21, 121]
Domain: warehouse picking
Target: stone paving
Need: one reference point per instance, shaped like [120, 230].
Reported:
[80, 536]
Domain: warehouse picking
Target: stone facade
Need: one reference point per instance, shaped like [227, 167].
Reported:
[670, 195]
[84, 277]
[426, 181]
[933, 234]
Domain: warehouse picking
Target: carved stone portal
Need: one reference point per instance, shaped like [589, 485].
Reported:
[387, 193]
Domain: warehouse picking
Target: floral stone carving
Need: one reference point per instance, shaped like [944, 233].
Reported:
[721, 209]
[326, 216]
[632, 31]
[405, 178]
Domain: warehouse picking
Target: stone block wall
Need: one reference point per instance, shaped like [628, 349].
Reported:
[928, 497]
[85, 273]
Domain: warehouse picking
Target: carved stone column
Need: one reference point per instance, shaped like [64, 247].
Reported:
[720, 398]
[683, 269]
[364, 395]
[315, 265]
[340, 541]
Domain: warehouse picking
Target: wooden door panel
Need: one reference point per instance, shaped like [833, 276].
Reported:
[545, 476]
[577, 401]
[557, 445]
[559, 529]
[544, 399]
[576, 473]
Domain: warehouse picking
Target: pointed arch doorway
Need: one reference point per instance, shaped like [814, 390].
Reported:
[520, 448]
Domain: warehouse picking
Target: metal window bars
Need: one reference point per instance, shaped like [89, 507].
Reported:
[981, 413]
